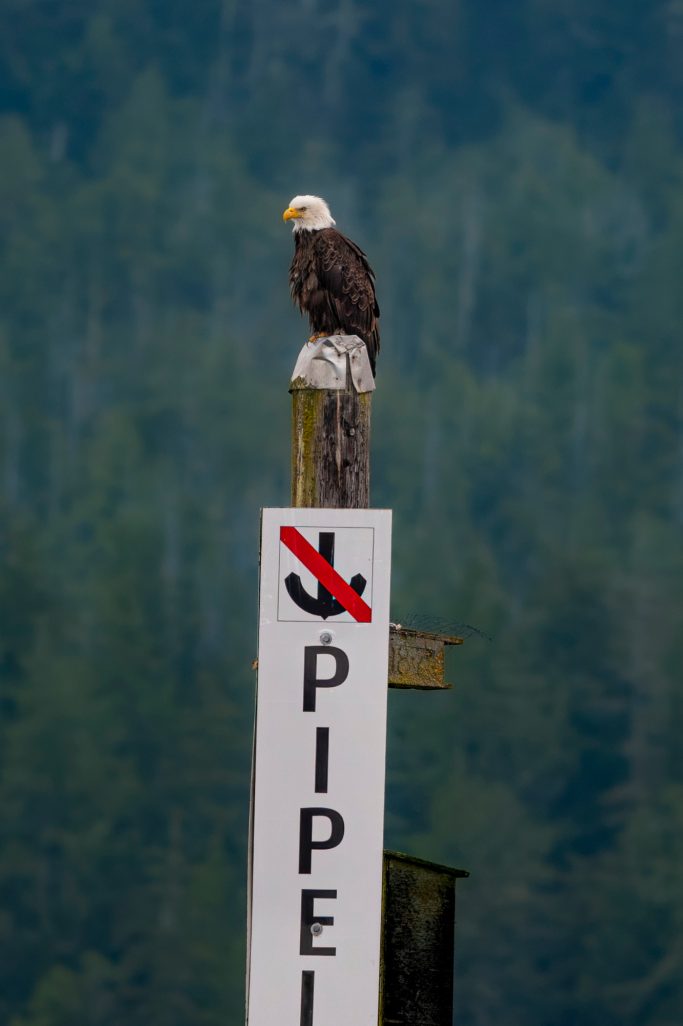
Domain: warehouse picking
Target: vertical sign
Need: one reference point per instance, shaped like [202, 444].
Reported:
[318, 785]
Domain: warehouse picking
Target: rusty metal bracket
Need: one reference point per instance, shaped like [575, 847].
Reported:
[417, 658]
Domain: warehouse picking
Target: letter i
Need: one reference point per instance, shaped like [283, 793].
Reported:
[307, 986]
[322, 758]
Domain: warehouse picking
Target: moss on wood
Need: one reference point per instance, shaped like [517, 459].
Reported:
[330, 448]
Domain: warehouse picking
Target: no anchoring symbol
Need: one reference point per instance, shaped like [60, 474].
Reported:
[324, 604]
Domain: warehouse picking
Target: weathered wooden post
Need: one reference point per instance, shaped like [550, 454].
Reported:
[331, 390]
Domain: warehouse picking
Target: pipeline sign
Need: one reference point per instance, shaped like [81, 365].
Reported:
[318, 782]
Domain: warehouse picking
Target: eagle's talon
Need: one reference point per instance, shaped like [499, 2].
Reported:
[318, 335]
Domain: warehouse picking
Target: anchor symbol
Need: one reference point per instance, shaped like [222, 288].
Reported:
[325, 604]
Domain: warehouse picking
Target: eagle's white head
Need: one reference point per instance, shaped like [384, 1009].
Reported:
[309, 213]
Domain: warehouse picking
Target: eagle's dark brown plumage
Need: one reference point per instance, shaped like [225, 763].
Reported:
[330, 277]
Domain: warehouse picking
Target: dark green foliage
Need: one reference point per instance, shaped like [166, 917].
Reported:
[515, 173]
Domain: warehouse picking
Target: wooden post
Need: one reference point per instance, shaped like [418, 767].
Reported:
[332, 388]
[330, 447]
[331, 409]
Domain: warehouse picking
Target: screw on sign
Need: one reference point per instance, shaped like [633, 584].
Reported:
[319, 768]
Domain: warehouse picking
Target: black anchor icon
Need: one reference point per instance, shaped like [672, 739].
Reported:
[325, 604]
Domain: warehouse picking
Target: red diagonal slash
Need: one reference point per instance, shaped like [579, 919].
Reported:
[326, 574]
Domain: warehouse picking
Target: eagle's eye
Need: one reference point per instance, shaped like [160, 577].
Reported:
[303, 208]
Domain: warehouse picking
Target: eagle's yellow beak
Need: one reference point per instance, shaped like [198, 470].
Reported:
[289, 213]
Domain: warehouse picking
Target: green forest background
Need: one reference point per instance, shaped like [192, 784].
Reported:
[515, 173]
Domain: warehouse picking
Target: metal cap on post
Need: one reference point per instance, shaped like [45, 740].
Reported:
[332, 386]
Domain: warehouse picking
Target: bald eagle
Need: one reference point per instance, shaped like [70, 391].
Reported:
[330, 277]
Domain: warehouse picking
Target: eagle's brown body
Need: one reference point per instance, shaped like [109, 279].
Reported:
[332, 281]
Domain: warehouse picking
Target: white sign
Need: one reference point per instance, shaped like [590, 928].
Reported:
[318, 801]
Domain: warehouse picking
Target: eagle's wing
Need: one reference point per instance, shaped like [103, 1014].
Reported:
[348, 281]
